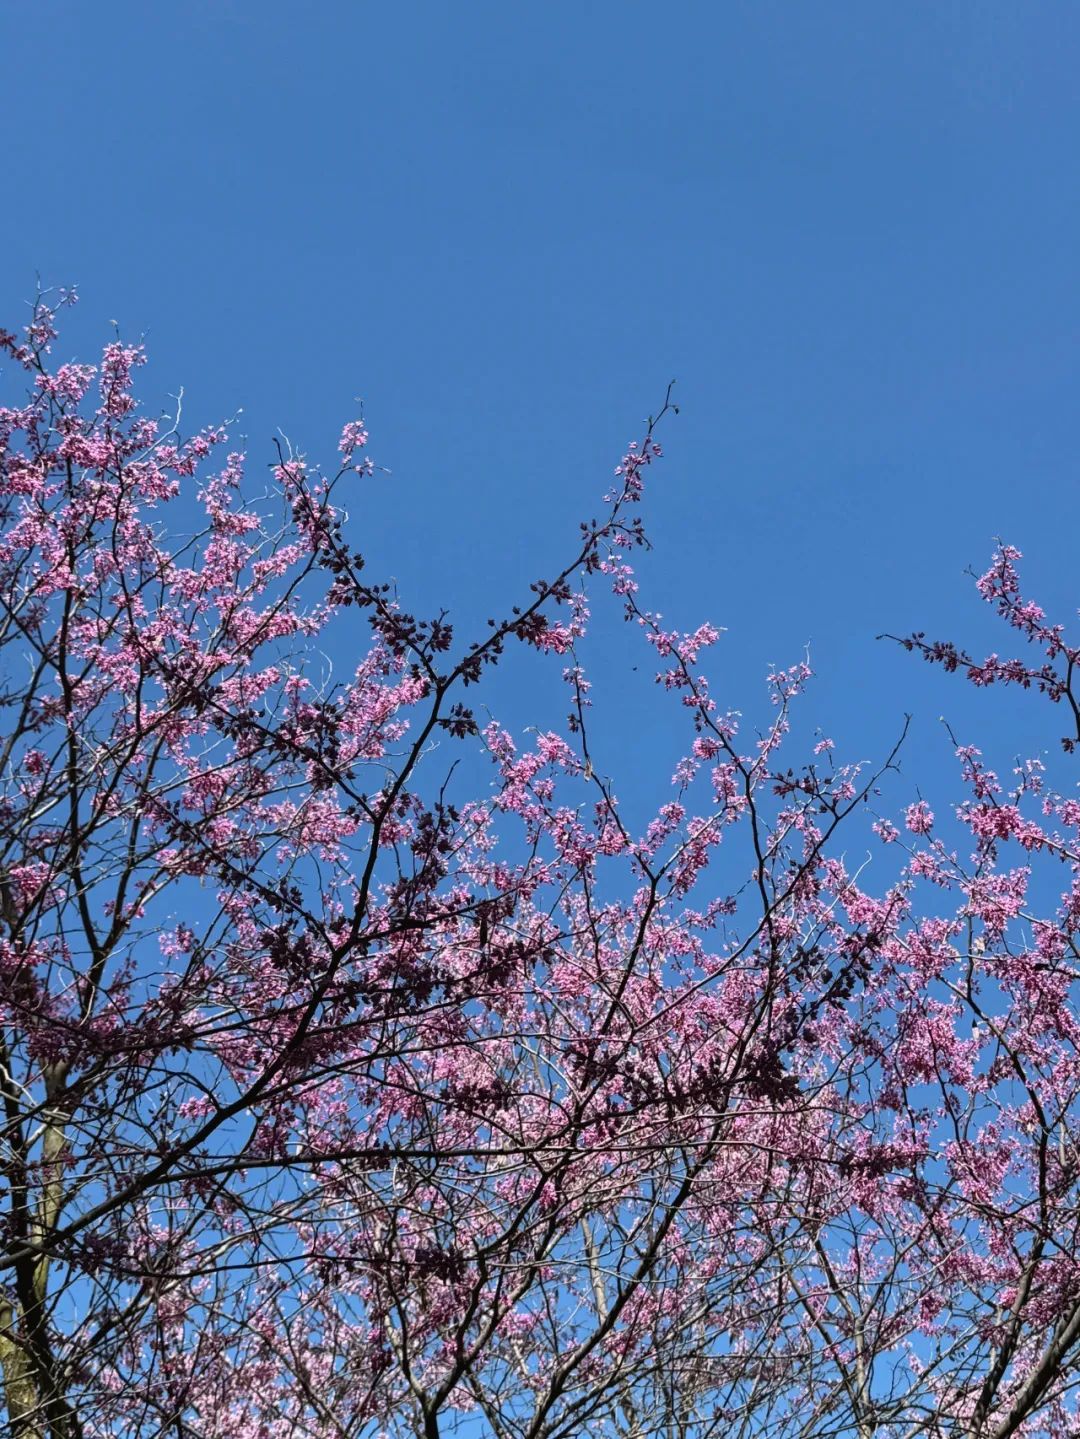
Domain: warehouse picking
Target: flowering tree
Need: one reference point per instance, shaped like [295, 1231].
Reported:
[336, 1104]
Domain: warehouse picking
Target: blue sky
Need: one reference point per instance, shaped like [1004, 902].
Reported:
[848, 230]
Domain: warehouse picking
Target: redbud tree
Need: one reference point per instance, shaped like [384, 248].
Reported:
[339, 1103]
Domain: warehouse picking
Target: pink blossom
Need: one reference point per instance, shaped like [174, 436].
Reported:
[919, 818]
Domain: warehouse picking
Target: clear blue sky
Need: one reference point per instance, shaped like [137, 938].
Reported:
[850, 230]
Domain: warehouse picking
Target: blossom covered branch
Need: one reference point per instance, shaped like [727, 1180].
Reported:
[339, 1103]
